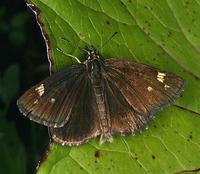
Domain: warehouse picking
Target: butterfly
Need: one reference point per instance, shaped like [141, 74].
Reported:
[99, 97]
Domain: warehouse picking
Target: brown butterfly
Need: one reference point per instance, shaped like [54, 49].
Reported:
[99, 97]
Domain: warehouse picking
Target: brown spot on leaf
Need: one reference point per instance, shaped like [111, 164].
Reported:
[108, 22]
[169, 34]
[97, 154]
[189, 171]
[153, 157]
[135, 157]
[190, 137]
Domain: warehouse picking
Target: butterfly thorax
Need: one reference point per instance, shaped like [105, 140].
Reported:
[94, 65]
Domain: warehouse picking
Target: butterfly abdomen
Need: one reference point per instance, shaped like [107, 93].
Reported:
[98, 87]
[103, 115]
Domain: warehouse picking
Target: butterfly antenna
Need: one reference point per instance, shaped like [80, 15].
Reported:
[69, 55]
[109, 39]
[75, 46]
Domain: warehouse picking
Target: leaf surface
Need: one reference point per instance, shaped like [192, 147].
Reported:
[163, 34]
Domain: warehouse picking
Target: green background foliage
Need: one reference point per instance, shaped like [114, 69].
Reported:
[22, 65]
[9, 141]
[163, 34]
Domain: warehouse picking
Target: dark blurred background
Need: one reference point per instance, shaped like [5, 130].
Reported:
[23, 64]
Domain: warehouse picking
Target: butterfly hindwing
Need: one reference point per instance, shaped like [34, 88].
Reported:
[50, 102]
[146, 89]
[123, 118]
[83, 123]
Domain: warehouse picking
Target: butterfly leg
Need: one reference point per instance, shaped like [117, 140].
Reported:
[105, 137]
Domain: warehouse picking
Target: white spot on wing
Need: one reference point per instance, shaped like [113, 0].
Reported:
[166, 87]
[161, 77]
[53, 100]
[35, 102]
[149, 88]
[40, 89]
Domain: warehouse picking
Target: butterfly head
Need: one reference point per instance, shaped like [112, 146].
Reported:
[92, 56]
[92, 53]
[93, 62]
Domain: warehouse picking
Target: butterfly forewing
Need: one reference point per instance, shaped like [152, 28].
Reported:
[83, 123]
[146, 89]
[51, 101]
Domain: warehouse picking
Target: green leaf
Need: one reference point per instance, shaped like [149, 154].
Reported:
[168, 146]
[163, 34]
[10, 83]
